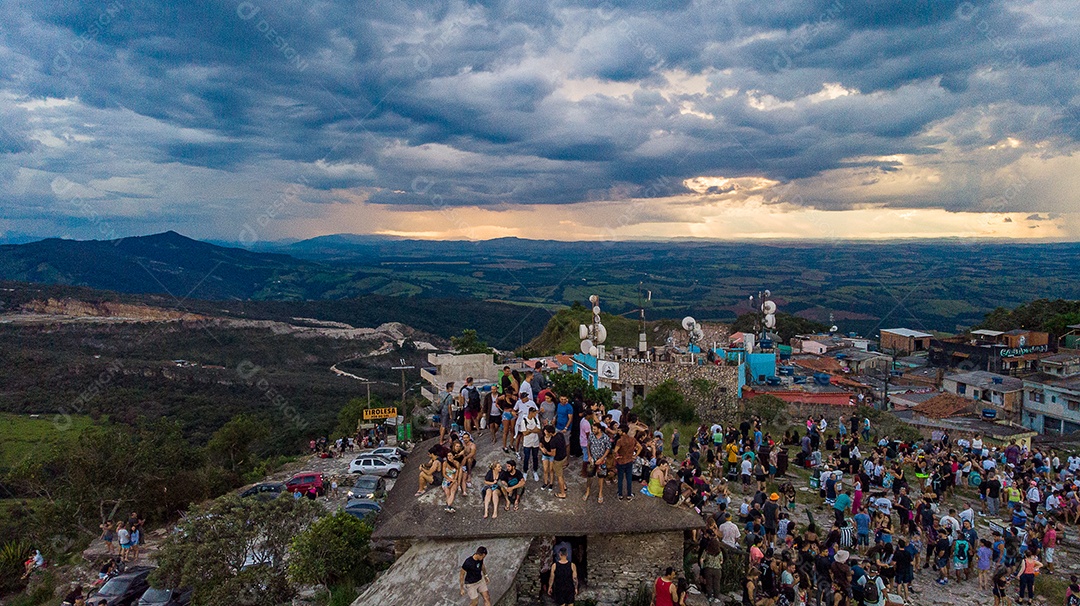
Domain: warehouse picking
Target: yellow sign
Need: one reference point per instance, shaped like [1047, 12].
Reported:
[379, 413]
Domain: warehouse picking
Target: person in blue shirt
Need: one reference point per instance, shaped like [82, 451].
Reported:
[862, 530]
[564, 415]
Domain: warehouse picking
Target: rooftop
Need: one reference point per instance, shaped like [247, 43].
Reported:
[907, 332]
[987, 333]
[1061, 358]
[942, 406]
[1072, 383]
[407, 517]
[987, 380]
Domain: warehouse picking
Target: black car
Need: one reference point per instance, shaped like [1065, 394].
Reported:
[165, 597]
[368, 487]
[124, 589]
[267, 491]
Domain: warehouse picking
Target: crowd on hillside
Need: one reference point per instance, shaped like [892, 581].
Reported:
[893, 512]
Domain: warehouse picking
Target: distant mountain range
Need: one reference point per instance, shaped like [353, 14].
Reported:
[938, 285]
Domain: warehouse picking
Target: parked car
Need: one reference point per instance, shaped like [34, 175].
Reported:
[304, 481]
[375, 466]
[390, 453]
[165, 597]
[368, 487]
[266, 491]
[362, 508]
[124, 589]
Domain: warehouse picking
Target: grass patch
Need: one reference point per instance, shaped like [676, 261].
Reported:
[23, 436]
[1051, 587]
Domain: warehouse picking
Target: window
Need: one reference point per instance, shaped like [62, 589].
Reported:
[1035, 396]
[1074, 405]
[961, 388]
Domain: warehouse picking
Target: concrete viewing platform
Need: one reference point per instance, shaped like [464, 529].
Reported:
[541, 513]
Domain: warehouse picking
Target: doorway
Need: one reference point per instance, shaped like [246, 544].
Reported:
[578, 552]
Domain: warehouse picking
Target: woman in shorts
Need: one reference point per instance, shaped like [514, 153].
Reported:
[491, 489]
[108, 534]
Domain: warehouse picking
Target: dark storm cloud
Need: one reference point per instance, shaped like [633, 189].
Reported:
[488, 103]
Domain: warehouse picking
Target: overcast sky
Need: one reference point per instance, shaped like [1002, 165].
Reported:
[263, 120]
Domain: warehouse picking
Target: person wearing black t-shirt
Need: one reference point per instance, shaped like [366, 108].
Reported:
[993, 494]
[512, 484]
[473, 578]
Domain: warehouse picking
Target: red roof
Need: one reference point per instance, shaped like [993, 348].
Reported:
[829, 365]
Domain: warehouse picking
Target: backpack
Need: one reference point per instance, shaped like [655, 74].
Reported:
[473, 401]
[445, 406]
[1073, 600]
[962, 552]
[871, 595]
[671, 492]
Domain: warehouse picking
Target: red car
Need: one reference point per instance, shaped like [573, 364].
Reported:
[304, 481]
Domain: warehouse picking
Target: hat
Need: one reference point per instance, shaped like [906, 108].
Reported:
[1034, 483]
[774, 497]
[842, 556]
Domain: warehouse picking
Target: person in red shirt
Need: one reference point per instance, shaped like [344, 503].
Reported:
[626, 449]
[665, 589]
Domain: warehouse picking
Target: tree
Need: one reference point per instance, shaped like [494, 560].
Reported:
[469, 343]
[787, 325]
[350, 414]
[233, 551]
[334, 550]
[771, 409]
[575, 386]
[665, 403]
[233, 446]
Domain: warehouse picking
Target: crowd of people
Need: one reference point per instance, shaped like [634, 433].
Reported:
[895, 509]
[893, 517]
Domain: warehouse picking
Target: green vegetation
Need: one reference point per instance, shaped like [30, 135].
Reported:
[787, 325]
[335, 551]
[233, 551]
[469, 343]
[771, 409]
[23, 437]
[665, 403]
[1048, 315]
[577, 386]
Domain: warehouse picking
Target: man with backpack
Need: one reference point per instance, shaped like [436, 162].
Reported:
[470, 401]
[961, 557]
[873, 588]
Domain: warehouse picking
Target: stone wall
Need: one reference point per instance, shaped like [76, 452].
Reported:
[617, 565]
[719, 404]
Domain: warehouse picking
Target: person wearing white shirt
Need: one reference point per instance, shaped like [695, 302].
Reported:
[822, 425]
[1034, 498]
[989, 464]
[968, 515]
[521, 410]
[529, 428]
[616, 415]
[729, 533]
[525, 389]
[976, 444]
[948, 521]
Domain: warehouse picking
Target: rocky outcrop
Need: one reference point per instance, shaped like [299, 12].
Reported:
[106, 310]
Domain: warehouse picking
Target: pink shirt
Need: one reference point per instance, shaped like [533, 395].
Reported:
[1050, 538]
[583, 434]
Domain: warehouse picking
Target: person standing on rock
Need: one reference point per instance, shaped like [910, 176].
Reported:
[473, 578]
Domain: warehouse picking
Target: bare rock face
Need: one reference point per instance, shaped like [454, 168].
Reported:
[106, 309]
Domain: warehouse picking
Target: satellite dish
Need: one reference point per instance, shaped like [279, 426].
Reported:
[688, 323]
[583, 331]
[596, 319]
[833, 328]
[698, 333]
[593, 351]
[586, 346]
[594, 299]
[768, 293]
[768, 307]
[596, 311]
[770, 321]
[601, 333]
